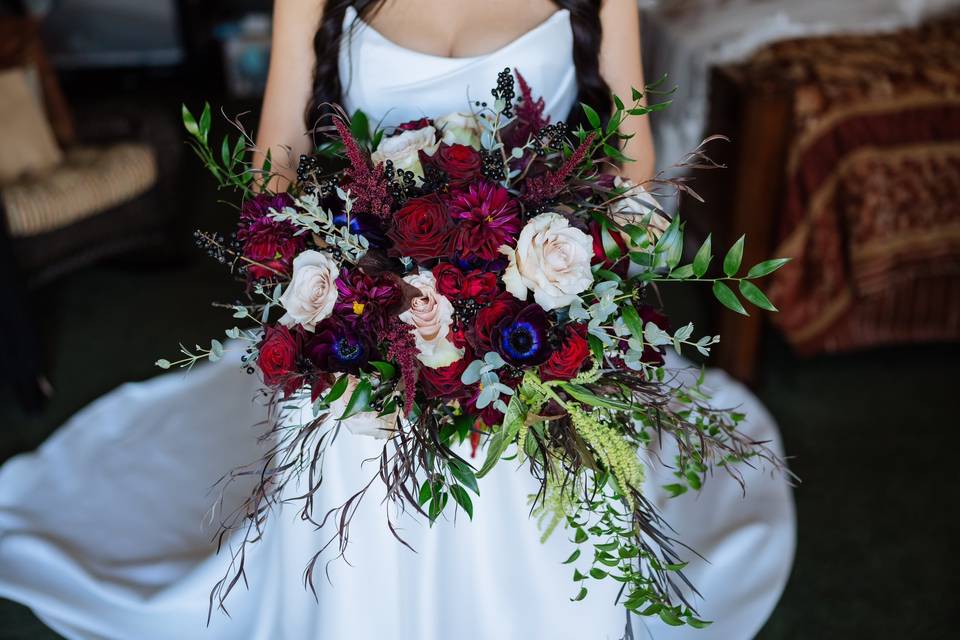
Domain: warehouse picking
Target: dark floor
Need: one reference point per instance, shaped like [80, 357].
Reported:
[874, 437]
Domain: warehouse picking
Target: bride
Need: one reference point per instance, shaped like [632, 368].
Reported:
[105, 531]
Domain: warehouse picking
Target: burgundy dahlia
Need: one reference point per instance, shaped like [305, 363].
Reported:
[486, 217]
[269, 243]
[366, 299]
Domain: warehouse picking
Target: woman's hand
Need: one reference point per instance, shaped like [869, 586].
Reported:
[283, 130]
[622, 67]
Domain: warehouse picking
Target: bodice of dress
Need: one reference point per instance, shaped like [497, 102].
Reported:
[393, 84]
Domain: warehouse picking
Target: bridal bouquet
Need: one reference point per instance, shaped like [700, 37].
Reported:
[479, 277]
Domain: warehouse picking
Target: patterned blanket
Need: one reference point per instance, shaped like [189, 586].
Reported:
[871, 210]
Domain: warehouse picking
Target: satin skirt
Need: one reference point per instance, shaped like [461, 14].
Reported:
[105, 532]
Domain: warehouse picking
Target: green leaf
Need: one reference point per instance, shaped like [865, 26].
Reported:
[731, 263]
[205, 120]
[697, 623]
[437, 505]
[573, 557]
[584, 395]
[766, 268]
[597, 573]
[225, 151]
[337, 390]
[682, 273]
[728, 298]
[701, 261]
[592, 117]
[631, 318]
[755, 296]
[580, 536]
[464, 475]
[359, 400]
[580, 596]
[670, 243]
[387, 370]
[671, 618]
[694, 479]
[500, 440]
[675, 489]
[189, 122]
[463, 499]
[360, 126]
[425, 494]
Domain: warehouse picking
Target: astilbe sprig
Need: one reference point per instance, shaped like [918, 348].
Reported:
[402, 349]
[541, 189]
[368, 184]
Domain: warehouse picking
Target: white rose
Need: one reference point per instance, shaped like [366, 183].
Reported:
[552, 259]
[404, 150]
[312, 292]
[431, 316]
[460, 128]
[365, 423]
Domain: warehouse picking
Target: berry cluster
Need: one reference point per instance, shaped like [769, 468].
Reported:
[505, 91]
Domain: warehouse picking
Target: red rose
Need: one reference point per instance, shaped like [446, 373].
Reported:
[445, 382]
[275, 252]
[566, 362]
[278, 356]
[413, 125]
[460, 162]
[487, 319]
[610, 238]
[449, 280]
[481, 286]
[421, 229]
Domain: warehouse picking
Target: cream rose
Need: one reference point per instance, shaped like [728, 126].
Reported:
[431, 316]
[460, 128]
[312, 292]
[365, 423]
[552, 259]
[404, 150]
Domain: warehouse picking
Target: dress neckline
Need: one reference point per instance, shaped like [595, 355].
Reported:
[352, 17]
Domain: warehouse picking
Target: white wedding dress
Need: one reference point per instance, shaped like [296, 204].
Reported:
[104, 530]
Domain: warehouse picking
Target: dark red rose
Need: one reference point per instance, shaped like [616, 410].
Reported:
[445, 382]
[481, 286]
[421, 229]
[566, 362]
[278, 356]
[607, 238]
[460, 162]
[449, 280]
[485, 322]
[413, 125]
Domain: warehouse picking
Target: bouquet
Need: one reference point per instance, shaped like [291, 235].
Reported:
[478, 277]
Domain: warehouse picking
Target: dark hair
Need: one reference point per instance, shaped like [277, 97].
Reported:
[592, 89]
